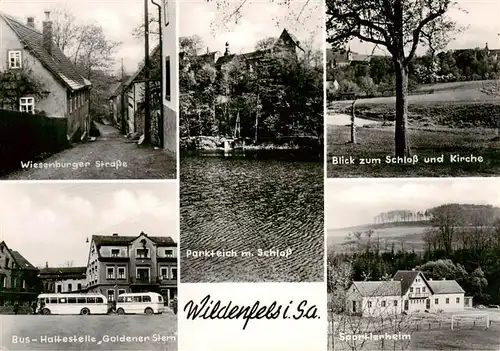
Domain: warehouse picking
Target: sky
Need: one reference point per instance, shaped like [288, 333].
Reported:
[482, 19]
[355, 202]
[50, 222]
[259, 20]
[117, 17]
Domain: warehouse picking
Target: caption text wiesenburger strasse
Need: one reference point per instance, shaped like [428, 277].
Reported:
[410, 160]
[85, 339]
[74, 165]
[210, 309]
[277, 253]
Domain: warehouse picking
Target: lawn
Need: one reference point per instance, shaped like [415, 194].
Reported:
[432, 331]
[444, 119]
[376, 143]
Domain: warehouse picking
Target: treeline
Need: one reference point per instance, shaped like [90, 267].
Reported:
[270, 96]
[377, 77]
[470, 255]
[401, 216]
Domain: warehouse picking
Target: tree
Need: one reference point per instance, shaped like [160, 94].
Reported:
[15, 84]
[266, 43]
[397, 25]
[64, 29]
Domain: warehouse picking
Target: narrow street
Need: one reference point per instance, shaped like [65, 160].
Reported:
[110, 156]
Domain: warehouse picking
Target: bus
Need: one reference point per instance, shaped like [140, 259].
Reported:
[83, 304]
[138, 303]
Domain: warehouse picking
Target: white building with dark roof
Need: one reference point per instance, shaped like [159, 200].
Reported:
[65, 92]
[407, 291]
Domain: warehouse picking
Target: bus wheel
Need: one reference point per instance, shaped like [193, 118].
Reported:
[120, 311]
[149, 311]
[46, 311]
[85, 311]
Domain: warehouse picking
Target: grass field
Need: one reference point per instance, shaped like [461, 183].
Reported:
[458, 118]
[159, 331]
[432, 331]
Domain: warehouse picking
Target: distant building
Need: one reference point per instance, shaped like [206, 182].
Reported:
[342, 58]
[18, 277]
[119, 264]
[62, 279]
[407, 291]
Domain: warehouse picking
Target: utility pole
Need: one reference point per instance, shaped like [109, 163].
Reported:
[161, 121]
[122, 105]
[147, 114]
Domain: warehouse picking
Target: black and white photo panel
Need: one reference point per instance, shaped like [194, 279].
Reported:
[413, 264]
[87, 90]
[413, 89]
[88, 266]
[251, 141]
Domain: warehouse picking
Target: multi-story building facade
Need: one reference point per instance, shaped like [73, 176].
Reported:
[119, 264]
[62, 279]
[18, 277]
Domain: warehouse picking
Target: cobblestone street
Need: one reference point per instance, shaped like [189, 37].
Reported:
[110, 156]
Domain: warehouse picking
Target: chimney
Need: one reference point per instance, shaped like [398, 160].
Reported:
[115, 234]
[46, 264]
[227, 49]
[47, 33]
[31, 22]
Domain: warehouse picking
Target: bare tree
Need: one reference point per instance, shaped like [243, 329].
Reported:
[68, 264]
[396, 25]
[65, 29]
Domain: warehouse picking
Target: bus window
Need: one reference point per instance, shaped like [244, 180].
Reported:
[121, 299]
[128, 299]
[82, 300]
[71, 299]
[99, 300]
[90, 299]
[62, 300]
[137, 298]
[53, 300]
[160, 299]
[146, 298]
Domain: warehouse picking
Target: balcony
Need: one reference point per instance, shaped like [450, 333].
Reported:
[143, 281]
[421, 295]
[162, 280]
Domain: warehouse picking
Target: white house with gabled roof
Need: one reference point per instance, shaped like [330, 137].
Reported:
[407, 291]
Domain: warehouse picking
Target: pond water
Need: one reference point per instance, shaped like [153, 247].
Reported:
[245, 204]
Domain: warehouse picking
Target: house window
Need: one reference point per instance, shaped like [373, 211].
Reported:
[70, 287]
[447, 300]
[383, 303]
[174, 273]
[79, 286]
[458, 300]
[395, 303]
[423, 289]
[110, 272]
[164, 272]
[369, 304]
[165, 13]
[418, 290]
[167, 78]
[142, 274]
[411, 289]
[27, 104]
[111, 295]
[169, 253]
[15, 59]
[7, 262]
[115, 252]
[59, 288]
[24, 286]
[121, 272]
[142, 253]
